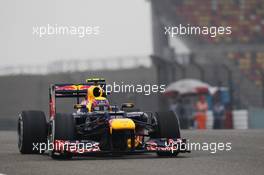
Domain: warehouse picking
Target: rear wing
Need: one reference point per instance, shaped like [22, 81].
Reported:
[75, 90]
[72, 91]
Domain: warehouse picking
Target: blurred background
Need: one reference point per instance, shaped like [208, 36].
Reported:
[211, 82]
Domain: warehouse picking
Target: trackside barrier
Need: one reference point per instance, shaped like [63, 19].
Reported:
[209, 122]
[256, 118]
[240, 119]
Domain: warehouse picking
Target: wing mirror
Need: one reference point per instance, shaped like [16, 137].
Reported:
[79, 106]
[127, 105]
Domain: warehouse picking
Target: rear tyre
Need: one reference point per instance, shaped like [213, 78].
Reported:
[32, 131]
[64, 130]
[167, 127]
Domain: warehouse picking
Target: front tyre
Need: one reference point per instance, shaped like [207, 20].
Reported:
[167, 127]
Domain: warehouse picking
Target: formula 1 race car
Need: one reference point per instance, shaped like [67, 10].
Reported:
[97, 127]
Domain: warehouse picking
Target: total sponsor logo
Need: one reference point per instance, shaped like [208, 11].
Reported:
[72, 87]
[182, 146]
[169, 145]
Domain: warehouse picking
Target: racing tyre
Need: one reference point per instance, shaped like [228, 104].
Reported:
[64, 129]
[32, 131]
[167, 127]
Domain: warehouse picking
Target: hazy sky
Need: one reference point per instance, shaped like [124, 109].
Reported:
[125, 29]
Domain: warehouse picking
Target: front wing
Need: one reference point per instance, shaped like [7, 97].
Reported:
[152, 145]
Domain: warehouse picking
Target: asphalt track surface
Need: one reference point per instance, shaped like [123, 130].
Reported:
[245, 158]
